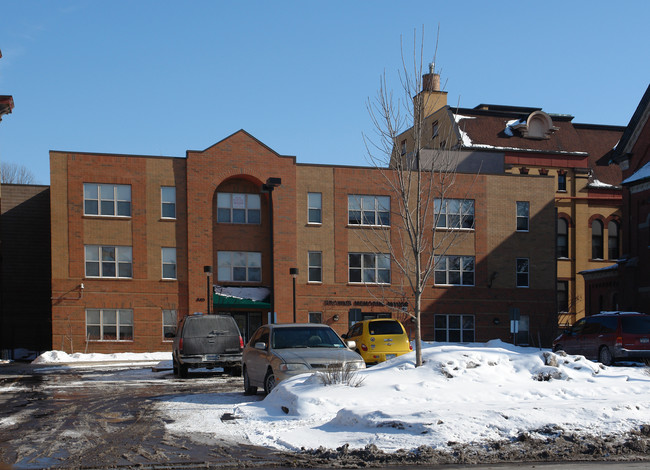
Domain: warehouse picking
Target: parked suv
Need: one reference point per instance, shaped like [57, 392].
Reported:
[207, 341]
[608, 337]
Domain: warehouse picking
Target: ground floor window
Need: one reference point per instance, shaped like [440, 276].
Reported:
[454, 328]
[169, 324]
[315, 317]
[108, 324]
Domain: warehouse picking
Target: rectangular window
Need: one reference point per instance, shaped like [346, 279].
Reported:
[109, 261]
[523, 209]
[369, 268]
[563, 296]
[238, 208]
[454, 270]
[168, 263]
[315, 266]
[454, 328]
[522, 272]
[168, 202]
[369, 210]
[111, 200]
[169, 324]
[454, 213]
[315, 317]
[434, 129]
[561, 182]
[314, 207]
[108, 324]
[239, 266]
[403, 147]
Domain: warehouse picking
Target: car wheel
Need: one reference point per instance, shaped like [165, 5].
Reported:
[248, 388]
[269, 382]
[605, 356]
[182, 370]
[175, 366]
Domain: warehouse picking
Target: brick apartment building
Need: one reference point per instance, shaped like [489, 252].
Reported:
[133, 237]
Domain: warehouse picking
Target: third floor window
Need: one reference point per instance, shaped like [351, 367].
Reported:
[168, 202]
[112, 200]
[369, 210]
[454, 213]
[238, 208]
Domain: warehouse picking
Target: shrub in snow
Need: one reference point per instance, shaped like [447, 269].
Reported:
[346, 375]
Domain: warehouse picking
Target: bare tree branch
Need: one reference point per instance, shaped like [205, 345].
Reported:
[13, 173]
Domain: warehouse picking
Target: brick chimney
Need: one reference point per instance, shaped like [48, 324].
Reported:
[431, 97]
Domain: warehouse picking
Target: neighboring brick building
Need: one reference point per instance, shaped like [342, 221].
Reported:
[588, 194]
[132, 236]
[626, 284]
[25, 306]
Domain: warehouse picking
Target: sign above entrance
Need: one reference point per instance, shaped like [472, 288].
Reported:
[363, 303]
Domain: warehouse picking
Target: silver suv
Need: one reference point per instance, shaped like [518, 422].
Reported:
[207, 341]
[278, 351]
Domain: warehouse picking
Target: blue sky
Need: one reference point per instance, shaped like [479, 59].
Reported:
[160, 77]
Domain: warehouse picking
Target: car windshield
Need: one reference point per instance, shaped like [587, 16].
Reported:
[305, 337]
[636, 325]
[385, 327]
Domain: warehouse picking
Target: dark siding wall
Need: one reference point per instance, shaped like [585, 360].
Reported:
[25, 313]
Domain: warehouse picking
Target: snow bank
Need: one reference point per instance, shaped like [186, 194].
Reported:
[58, 357]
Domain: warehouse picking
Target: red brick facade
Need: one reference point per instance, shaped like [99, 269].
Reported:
[283, 237]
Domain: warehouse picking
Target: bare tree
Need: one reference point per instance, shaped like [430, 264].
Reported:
[13, 173]
[419, 169]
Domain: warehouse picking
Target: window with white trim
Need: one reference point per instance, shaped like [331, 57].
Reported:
[109, 261]
[368, 210]
[110, 200]
[369, 268]
[238, 208]
[454, 213]
[523, 272]
[168, 202]
[314, 208]
[454, 270]
[315, 266]
[168, 256]
[169, 319]
[109, 324]
[454, 328]
[523, 210]
[239, 266]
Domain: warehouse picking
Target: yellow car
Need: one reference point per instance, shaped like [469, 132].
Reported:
[379, 340]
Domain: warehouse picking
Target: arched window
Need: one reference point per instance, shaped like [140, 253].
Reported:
[562, 238]
[613, 245]
[596, 239]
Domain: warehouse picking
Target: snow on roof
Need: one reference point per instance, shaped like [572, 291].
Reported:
[599, 184]
[642, 174]
[252, 293]
[467, 142]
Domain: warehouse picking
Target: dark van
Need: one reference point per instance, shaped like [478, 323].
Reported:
[608, 337]
[207, 341]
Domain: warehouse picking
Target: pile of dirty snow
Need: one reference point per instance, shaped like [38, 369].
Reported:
[462, 394]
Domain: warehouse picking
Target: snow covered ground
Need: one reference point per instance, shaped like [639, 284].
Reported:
[466, 393]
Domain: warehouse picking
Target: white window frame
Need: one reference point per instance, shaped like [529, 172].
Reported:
[168, 258]
[231, 262]
[99, 255]
[456, 210]
[315, 206]
[118, 195]
[445, 264]
[521, 269]
[123, 321]
[168, 201]
[249, 203]
[526, 217]
[460, 329]
[313, 267]
[366, 204]
[369, 268]
[169, 322]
